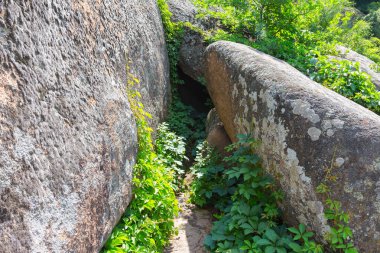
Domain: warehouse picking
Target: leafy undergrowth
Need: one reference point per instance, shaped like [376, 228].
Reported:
[148, 223]
[181, 118]
[247, 199]
[345, 78]
[297, 32]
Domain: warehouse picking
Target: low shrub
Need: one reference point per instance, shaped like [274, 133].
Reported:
[147, 224]
[247, 199]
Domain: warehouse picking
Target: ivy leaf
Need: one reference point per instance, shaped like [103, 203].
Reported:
[209, 242]
[248, 229]
[302, 228]
[263, 242]
[270, 249]
[271, 235]
[294, 246]
[293, 230]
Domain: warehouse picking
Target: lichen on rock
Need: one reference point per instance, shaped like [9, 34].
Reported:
[303, 128]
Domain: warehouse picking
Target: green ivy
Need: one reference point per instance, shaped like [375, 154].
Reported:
[174, 32]
[247, 199]
[340, 237]
[210, 186]
[345, 78]
[182, 119]
[171, 150]
[148, 222]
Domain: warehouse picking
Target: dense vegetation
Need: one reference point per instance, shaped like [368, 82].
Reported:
[303, 33]
[148, 223]
[247, 199]
[181, 118]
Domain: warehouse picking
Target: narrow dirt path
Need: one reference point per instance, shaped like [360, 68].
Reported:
[193, 225]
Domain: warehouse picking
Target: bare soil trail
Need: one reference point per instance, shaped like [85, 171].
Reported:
[193, 225]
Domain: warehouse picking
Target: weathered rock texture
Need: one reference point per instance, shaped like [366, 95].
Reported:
[366, 64]
[67, 135]
[217, 136]
[193, 46]
[304, 129]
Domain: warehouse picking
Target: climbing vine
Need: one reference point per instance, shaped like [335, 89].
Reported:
[174, 32]
[340, 236]
[181, 118]
[148, 223]
[247, 199]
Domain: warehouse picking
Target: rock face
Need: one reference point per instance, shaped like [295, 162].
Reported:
[365, 64]
[304, 129]
[67, 135]
[191, 59]
[216, 134]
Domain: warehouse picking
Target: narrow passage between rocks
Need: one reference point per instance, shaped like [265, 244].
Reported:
[193, 225]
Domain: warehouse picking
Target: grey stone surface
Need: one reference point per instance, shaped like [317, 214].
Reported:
[182, 11]
[191, 59]
[303, 128]
[365, 63]
[216, 134]
[67, 135]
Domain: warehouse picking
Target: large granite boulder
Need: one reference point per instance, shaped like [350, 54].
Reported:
[304, 129]
[366, 64]
[67, 134]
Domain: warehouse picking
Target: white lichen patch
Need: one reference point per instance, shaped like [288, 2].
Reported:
[253, 99]
[330, 126]
[326, 125]
[377, 202]
[243, 84]
[339, 161]
[235, 92]
[303, 108]
[358, 195]
[348, 188]
[330, 132]
[243, 102]
[368, 182]
[253, 96]
[24, 144]
[254, 107]
[292, 157]
[243, 126]
[376, 165]
[338, 123]
[269, 100]
[302, 189]
[314, 133]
